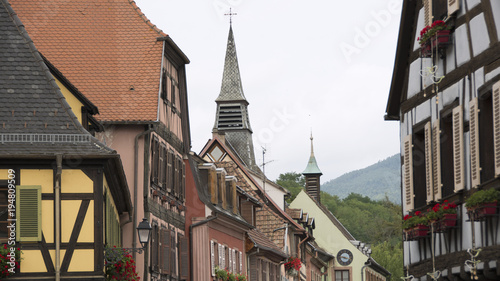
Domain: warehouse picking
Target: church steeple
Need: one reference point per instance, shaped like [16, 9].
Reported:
[313, 174]
[232, 108]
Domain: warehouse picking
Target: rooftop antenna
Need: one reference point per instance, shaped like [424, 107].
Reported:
[231, 14]
[264, 163]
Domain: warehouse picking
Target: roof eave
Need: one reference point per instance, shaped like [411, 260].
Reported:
[401, 60]
[176, 48]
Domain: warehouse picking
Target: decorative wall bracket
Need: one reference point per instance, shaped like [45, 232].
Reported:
[472, 263]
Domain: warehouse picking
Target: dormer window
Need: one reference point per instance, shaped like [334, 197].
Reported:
[209, 175]
[221, 186]
[231, 196]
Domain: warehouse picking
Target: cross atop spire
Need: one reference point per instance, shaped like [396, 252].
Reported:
[231, 14]
[312, 150]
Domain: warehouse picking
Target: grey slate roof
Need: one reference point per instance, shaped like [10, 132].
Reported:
[35, 118]
[231, 89]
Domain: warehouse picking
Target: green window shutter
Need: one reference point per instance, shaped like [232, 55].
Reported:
[29, 213]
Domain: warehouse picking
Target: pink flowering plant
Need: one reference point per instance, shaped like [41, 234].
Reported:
[241, 277]
[293, 263]
[226, 275]
[429, 31]
[120, 265]
[439, 210]
[418, 218]
[9, 260]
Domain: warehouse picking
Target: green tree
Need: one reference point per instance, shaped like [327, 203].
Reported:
[292, 181]
[390, 257]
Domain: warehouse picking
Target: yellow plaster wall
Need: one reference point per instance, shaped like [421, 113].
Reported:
[82, 260]
[87, 231]
[32, 261]
[74, 103]
[75, 181]
[45, 178]
[48, 220]
[69, 211]
[328, 236]
[4, 174]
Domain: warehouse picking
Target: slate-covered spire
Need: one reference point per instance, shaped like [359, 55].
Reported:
[231, 88]
[232, 109]
[313, 174]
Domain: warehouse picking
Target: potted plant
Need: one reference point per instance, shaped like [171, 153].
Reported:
[443, 215]
[119, 265]
[231, 276]
[416, 226]
[221, 274]
[9, 261]
[435, 35]
[482, 203]
[241, 277]
[292, 266]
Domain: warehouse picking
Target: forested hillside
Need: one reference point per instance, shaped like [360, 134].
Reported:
[376, 181]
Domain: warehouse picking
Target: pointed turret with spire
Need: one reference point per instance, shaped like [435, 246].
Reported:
[231, 119]
[313, 174]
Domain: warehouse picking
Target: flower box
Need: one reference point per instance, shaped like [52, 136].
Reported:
[446, 222]
[425, 50]
[488, 209]
[480, 212]
[441, 38]
[419, 231]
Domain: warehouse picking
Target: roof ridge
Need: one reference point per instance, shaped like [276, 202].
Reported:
[145, 19]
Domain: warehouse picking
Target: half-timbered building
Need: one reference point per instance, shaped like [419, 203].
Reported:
[135, 74]
[69, 189]
[445, 93]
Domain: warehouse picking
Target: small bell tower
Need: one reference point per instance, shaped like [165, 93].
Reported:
[313, 174]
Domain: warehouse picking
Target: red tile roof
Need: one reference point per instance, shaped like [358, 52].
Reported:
[107, 49]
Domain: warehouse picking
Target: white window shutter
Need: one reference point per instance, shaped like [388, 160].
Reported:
[436, 160]
[474, 143]
[221, 265]
[241, 262]
[230, 261]
[428, 162]
[408, 172]
[234, 261]
[496, 125]
[428, 12]
[458, 147]
[212, 254]
[453, 6]
[223, 254]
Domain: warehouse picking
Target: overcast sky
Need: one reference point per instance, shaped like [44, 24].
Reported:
[319, 65]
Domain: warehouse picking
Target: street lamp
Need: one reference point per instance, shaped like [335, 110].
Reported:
[144, 231]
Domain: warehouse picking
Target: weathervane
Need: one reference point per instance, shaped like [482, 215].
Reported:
[231, 14]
